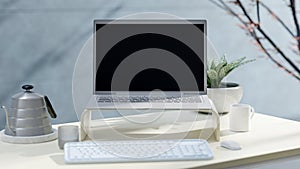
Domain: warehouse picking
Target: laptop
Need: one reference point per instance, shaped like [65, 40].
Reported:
[149, 64]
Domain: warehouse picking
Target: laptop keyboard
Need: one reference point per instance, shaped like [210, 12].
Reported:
[160, 99]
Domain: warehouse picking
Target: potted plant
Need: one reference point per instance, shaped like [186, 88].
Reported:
[223, 94]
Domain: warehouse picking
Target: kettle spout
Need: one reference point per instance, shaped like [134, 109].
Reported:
[7, 121]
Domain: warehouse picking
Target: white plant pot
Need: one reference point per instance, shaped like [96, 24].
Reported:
[225, 96]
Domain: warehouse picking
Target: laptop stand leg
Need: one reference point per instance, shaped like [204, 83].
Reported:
[84, 124]
[216, 116]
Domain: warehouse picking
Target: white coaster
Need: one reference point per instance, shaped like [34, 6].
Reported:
[28, 139]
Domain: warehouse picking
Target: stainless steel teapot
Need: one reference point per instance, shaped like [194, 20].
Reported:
[28, 114]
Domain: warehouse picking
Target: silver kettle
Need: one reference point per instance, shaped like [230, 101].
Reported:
[28, 114]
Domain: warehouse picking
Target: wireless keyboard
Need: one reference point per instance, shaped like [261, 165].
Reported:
[137, 151]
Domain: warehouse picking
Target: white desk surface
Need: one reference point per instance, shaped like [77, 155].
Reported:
[269, 138]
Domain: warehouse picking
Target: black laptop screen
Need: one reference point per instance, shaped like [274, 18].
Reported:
[143, 56]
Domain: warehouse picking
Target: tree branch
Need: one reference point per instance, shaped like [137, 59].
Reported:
[258, 11]
[238, 2]
[217, 4]
[274, 60]
[293, 8]
[251, 27]
[278, 19]
[245, 24]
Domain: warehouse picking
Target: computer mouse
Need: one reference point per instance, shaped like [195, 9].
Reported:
[231, 145]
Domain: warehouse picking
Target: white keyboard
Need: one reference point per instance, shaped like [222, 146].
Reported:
[137, 151]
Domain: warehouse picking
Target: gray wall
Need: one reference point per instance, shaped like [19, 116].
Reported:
[40, 41]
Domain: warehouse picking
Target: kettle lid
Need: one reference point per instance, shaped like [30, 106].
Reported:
[27, 94]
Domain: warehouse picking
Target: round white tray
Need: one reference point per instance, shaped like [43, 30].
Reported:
[28, 139]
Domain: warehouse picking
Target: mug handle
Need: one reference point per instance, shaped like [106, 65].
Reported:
[252, 111]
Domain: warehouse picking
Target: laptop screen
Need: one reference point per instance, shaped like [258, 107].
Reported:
[144, 55]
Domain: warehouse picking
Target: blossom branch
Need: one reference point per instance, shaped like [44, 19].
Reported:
[255, 36]
[258, 11]
[238, 2]
[251, 27]
[293, 8]
[258, 40]
[277, 18]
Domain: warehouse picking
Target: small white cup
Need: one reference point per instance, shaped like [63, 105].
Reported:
[240, 116]
[68, 133]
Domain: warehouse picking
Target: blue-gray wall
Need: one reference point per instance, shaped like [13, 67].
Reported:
[40, 41]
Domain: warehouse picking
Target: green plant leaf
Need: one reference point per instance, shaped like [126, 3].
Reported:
[223, 72]
[222, 63]
[212, 65]
[212, 74]
[208, 83]
[213, 78]
[239, 63]
[223, 58]
[216, 72]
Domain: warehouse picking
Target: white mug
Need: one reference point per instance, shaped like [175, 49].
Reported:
[240, 116]
[67, 133]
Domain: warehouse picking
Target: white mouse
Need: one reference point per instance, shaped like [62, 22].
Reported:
[231, 145]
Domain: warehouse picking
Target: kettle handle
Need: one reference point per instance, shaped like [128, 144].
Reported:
[50, 108]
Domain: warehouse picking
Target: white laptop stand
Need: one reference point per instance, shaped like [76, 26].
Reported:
[213, 131]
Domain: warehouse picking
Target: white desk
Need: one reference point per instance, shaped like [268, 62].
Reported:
[270, 138]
